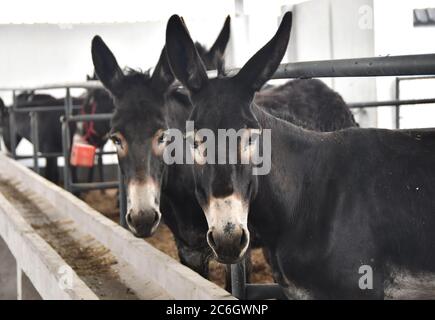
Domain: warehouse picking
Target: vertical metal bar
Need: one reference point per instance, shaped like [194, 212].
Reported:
[35, 140]
[397, 114]
[122, 199]
[66, 139]
[238, 280]
[12, 125]
[65, 152]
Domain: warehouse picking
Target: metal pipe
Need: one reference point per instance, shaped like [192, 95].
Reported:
[422, 64]
[65, 152]
[122, 199]
[66, 138]
[375, 104]
[89, 117]
[238, 280]
[91, 84]
[397, 96]
[405, 65]
[94, 185]
[12, 125]
[34, 133]
[44, 109]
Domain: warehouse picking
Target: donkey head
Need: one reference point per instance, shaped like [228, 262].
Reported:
[224, 189]
[138, 129]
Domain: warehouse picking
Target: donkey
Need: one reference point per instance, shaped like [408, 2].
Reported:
[50, 138]
[333, 203]
[145, 106]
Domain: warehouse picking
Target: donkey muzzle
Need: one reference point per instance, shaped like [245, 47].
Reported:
[229, 244]
[143, 223]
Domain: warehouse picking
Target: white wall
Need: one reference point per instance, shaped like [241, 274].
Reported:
[331, 29]
[396, 35]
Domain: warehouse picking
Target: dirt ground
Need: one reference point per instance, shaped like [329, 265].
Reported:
[106, 203]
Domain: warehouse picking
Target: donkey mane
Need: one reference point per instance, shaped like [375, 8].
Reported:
[137, 76]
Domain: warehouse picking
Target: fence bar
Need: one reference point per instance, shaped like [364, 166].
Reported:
[122, 199]
[397, 96]
[12, 125]
[422, 64]
[91, 117]
[264, 291]
[94, 186]
[34, 132]
[238, 280]
[375, 104]
[43, 109]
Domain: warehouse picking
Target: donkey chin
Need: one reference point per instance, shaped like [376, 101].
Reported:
[228, 235]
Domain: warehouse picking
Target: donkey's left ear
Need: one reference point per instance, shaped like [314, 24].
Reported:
[106, 66]
[162, 76]
[264, 63]
[217, 50]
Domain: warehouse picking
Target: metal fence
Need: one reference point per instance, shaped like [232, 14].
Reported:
[411, 65]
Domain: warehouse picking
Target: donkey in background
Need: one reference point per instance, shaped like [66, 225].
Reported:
[50, 134]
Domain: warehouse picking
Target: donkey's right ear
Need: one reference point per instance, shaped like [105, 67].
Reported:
[264, 63]
[183, 58]
[106, 66]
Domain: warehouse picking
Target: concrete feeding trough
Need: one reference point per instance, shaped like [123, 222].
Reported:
[64, 249]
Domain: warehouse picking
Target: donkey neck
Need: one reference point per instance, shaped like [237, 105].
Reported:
[281, 193]
[178, 106]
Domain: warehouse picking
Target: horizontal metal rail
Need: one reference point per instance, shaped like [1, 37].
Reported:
[59, 154]
[92, 84]
[90, 117]
[374, 104]
[43, 109]
[94, 186]
[422, 64]
[404, 65]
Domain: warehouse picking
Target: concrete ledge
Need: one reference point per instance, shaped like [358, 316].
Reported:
[176, 279]
[36, 258]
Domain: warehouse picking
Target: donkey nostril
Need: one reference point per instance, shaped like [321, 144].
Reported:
[128, 218]
[156, 217]
[211, 239]
[243, 239]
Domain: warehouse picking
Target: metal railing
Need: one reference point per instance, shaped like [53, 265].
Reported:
[68, 116]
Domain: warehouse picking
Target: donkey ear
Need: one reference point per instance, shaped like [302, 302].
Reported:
[162, 76]
[183, 58]
[106, 66]
[217, 50]
[264, 63]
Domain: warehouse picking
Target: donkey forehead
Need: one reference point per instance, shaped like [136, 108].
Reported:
[223, 103]
[137, 125]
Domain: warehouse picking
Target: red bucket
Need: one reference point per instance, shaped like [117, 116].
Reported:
[82, 155]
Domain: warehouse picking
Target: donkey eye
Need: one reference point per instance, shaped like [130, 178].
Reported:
[116, 140]
[162, 138]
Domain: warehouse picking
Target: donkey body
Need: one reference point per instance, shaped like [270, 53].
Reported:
[333, 202]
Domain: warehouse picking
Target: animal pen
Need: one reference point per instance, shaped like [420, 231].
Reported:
[141, 268]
